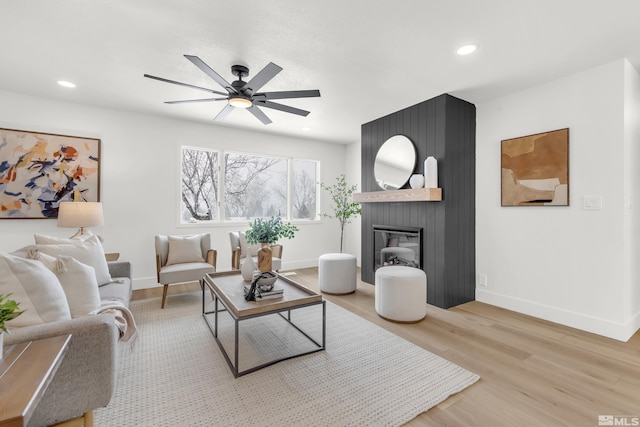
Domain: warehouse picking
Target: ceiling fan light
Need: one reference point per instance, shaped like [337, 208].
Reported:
[240, 102]
[467, 49]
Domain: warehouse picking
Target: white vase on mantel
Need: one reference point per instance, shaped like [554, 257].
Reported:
[247, 268]
[416, 180]
[431, 172]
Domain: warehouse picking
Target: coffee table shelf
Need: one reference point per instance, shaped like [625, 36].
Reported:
[228, 290]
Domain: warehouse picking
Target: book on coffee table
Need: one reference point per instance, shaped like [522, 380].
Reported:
[262, 295]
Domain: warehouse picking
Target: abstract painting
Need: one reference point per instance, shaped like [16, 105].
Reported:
[535, 169]
[38, 170]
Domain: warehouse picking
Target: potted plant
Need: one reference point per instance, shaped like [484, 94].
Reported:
[268, 231]
[8, 311]
[344, 208]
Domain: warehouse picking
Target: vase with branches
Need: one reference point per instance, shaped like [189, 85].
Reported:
[344, 208]
[268, 232]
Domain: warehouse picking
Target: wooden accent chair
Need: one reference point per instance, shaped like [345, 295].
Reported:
[240, 249]
[181, 259]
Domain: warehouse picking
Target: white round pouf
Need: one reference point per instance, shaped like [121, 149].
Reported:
[337, 273]
[401, 293]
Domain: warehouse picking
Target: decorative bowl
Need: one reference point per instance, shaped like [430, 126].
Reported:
[266, 280]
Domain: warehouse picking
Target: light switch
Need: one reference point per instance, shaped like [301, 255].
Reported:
[592, 203]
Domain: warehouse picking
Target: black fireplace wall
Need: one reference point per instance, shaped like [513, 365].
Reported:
[443, 127]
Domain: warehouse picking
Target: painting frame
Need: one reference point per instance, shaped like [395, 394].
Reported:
[38, 170]
[535, 169]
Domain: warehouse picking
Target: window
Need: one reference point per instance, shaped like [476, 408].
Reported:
[199, 181]
[303, 193]
[254, 186]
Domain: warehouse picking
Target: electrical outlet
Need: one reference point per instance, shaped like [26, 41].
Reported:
[482, 280]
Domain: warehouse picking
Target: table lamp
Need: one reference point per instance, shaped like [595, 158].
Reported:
[80, 214]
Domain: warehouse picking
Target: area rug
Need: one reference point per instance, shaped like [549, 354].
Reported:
[175, 374]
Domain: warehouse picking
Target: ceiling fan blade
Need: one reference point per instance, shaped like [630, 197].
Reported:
[285, 108]
[195, 100]
[289, 94]
[259, 114]
[224, 113]
[260, 79]
[209, 72]
[185, 85]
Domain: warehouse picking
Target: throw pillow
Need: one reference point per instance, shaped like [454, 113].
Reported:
[43, 239]
[78, 281]
[184, 249]
[244, 246]
[35, 288]
[88, 252]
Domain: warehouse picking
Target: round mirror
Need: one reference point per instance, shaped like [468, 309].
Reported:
[394, 163]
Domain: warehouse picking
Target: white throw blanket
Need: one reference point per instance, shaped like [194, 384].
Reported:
[124, 319]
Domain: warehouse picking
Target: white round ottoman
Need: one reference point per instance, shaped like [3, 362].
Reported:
[337, 273]
[401, 293]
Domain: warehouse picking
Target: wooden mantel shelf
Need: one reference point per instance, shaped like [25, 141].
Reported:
[407, 195]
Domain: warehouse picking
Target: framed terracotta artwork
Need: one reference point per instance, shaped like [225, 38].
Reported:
[38, 170]
[535, 169]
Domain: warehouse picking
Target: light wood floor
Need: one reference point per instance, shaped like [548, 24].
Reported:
[533, 372]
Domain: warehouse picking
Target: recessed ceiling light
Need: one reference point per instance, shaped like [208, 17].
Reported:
[467, 49]
[65, 83]
[306, 128]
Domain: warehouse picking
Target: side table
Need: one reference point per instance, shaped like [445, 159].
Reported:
[25, 373]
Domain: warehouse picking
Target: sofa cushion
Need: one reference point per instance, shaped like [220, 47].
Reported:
[43, 239]
[35, 288]
[184, 249]
[117, 291]
[87, 251]
[78, 281]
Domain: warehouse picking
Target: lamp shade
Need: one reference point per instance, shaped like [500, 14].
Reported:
[80, 214]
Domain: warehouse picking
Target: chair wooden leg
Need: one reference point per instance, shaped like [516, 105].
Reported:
[164, 295]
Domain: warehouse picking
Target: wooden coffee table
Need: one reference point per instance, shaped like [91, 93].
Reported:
[228, 288]
[25, 372]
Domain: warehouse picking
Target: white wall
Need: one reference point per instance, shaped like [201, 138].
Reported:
[139, 179]
[564, 264]
[353, 168]
[632, 191]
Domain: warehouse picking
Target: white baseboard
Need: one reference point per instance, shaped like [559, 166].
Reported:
[607, 328]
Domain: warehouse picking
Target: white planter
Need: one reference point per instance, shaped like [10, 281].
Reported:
[1, 344]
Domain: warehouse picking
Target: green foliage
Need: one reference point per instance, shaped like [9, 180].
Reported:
[344, 208]
[8, 310]
[269, 230]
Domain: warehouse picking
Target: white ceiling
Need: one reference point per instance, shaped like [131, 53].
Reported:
[369, 58]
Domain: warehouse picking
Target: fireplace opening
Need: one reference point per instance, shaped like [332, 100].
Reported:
[397, 246]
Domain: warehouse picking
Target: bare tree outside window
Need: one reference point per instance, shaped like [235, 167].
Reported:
[199, 185]
[304, 189]
[253, 186]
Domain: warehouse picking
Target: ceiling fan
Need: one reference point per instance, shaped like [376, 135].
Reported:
[241, 94]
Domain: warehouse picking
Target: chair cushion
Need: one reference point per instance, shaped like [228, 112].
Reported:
[246, 248]
[184, 249]
[35, 288]
[186, 272]
[162, 246]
